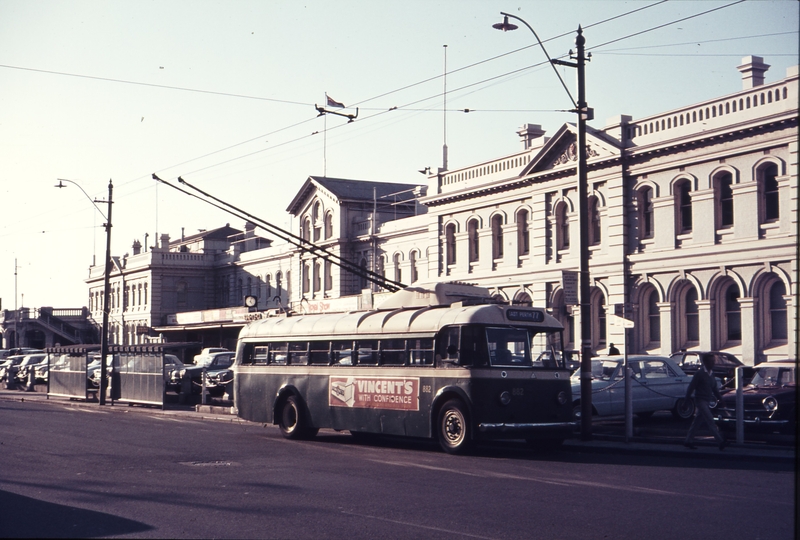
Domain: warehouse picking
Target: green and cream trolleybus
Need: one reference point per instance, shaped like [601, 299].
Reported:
[444, 361]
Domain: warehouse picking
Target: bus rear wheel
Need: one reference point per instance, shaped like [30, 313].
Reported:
[454, 431]
[292, 420]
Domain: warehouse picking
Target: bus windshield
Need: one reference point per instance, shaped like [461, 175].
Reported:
[522, 347]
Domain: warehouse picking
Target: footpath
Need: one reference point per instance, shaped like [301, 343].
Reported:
[607, 435]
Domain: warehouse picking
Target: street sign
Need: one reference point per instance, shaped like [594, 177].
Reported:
[619, 321]
[569, 281]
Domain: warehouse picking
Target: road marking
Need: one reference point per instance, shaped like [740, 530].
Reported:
[408, 524]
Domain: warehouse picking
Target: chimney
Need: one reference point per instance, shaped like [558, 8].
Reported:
[528, 133]
[165, 242]
[137, 247]
[752, 70]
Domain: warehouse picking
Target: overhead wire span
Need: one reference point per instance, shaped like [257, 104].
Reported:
[304, 245]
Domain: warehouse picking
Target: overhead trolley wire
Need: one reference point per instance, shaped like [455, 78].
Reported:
[303, 244]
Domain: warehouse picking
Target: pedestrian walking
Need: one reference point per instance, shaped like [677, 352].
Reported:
[704, 388]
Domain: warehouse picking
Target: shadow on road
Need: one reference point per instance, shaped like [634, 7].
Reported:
[24, 517]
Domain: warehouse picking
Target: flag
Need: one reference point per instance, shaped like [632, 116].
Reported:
[333, 102]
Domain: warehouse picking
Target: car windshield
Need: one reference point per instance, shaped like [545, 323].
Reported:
[773, 376]
[222, 361]
[602, 370]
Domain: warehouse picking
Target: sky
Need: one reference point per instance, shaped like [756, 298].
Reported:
[223, 94]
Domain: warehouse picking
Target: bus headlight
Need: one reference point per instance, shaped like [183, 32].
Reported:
[505, 397]
[562, 398]
[770, 403]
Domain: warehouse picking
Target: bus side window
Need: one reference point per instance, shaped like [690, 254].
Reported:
[319, 353]
[393, 352]
[260, 355]
[473, 350]
[278, 353]
[448, 342]
[421, 351]
[367, 352]
[298, 352]
[342, 353]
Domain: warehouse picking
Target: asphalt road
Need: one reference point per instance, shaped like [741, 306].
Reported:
[88, 472]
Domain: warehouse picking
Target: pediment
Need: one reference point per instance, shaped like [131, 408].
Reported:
[561, 151]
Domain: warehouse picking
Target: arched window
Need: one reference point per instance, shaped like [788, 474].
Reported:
[523, 233]
[732, 314]
[472, 234]
[598, 305]
[305, 230]
[683, 203]
[497, 236]
[723, 193]
[594, 222]
[328, 225]
[317, 221]
[398, 271]
[363, 278]
[305, 278]
[268, 285]
[646, 217]
[412, 259]
[278, 284]
[777, 312]
[770, 196]
[562, 227]
[692, 316]
[328, 276]
[450, 242]
[653, 318]
[317, 276]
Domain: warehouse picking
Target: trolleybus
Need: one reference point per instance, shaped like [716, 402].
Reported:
[443, 361]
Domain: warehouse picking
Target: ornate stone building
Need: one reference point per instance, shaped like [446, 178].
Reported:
[692, 230]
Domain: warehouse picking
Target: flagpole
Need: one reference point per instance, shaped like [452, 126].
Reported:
[325, 143]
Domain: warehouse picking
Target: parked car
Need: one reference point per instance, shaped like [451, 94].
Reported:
[9, 365]
[207, 355]
[29, 362]
[93, 368]
[218, 373]
[657, 384]
[724, 366]
[770, 400]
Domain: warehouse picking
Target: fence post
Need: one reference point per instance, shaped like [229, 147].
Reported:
[204, 399]
[739, 405]
[31, 379]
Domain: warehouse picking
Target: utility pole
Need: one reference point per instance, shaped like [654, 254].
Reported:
[106, 295]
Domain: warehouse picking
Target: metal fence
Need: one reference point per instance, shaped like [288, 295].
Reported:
[68, 371]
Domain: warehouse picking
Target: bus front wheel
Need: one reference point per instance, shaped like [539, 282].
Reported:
[454, 431]
[292, 421]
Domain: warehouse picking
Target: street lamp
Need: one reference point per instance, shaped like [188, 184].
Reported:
[106, 283]
[584, 113]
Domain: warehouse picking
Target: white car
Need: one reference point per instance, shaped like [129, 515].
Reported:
[657, 384]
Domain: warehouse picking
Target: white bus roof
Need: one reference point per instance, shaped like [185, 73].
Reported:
[412, 321]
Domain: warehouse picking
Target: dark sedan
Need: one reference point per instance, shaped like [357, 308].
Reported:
[217, 374]
[725, 365]
[770, 400]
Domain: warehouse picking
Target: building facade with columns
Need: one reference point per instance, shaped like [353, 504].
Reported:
[692, 229]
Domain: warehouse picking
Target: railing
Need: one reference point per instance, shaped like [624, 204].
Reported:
[504, 167]
[749, 104]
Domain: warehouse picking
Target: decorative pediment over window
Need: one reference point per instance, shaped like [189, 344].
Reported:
[561, 151]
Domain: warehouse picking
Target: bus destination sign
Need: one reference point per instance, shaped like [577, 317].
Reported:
[398, 393]
[525, 315]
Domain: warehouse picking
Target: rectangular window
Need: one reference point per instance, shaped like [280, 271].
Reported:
[508, 347]
[298, 352]
[393, 351]
[421, 351]
[278, 353]
[367, 352]
[342, 353]
[319, 352]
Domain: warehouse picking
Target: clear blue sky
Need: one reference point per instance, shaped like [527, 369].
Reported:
[223, 94]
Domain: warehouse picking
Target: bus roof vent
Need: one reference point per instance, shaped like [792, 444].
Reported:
[437, 294]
